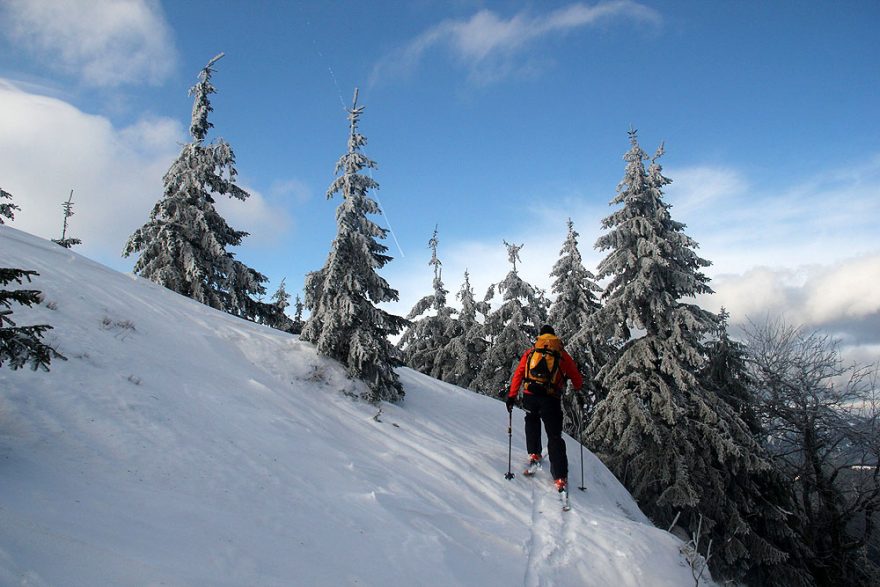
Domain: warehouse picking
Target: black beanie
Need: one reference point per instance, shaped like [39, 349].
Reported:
[547, 329]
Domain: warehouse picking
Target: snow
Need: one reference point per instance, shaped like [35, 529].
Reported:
[181, 446]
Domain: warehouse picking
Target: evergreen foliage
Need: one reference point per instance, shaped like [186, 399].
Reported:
[345, 323]
[674, 444]
[726, 372]
[7, 208]
[22, 345]
[572, 315]
[280, 301]
[510, 329]
[422, 341]
[460, 359]
[297, 325]
[576, 300]
[184, 244]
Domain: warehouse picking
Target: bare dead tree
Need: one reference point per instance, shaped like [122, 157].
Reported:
[821, 419]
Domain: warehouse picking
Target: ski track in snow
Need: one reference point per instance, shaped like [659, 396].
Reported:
[181, 446]
[551, 534]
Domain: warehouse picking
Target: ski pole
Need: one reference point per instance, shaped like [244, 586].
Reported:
[582, 487]
[509, 474]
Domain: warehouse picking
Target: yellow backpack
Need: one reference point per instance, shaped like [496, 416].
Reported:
[542, 365]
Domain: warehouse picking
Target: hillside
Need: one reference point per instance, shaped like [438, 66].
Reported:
[180, 446]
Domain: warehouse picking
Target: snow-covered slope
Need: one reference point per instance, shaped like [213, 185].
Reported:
[180, 446]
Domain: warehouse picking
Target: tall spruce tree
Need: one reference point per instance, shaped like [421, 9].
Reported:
[20, 345]
[345, 323]
[726, 372]
[431, 324]
[572, 312]
[511, 328]
[184, 244]
[575, 288]
[571, 315]
[675, 445]
[459, 361]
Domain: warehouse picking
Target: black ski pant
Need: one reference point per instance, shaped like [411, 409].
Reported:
[547, 409]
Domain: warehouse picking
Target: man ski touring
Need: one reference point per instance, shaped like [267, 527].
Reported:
[541, 374]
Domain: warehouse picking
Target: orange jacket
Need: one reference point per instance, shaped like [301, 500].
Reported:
[567, 369]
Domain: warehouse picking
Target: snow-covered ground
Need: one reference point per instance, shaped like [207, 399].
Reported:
[180, 446]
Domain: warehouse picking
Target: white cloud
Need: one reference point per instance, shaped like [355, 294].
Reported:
[50, 147]
[739, 224]
[293, 189]
[696, 188]
[848, 290]
[489, 45]
[107, 43]
[265, 222]
[840, 298]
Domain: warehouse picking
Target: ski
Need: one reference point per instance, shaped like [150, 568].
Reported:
[534, 467]
[563, 497]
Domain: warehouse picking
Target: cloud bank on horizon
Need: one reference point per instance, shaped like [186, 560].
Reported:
[806, 247]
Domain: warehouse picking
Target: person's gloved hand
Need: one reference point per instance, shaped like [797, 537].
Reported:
[511, 401]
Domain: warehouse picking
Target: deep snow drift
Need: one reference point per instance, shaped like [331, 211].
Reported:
[181, 446]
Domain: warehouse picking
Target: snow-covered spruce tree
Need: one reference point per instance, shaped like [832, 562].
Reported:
[572, 313]
[426, 335]
[726, 372]
[576, 300]
[511, 328]
[65, 241]
[676, 446]
[345, 323]
[20, 345]
[280, 300]
[7, 208]
[297, 325]
[184, 244]
[459, 361]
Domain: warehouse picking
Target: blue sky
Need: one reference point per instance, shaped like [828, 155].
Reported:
[492, 120]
